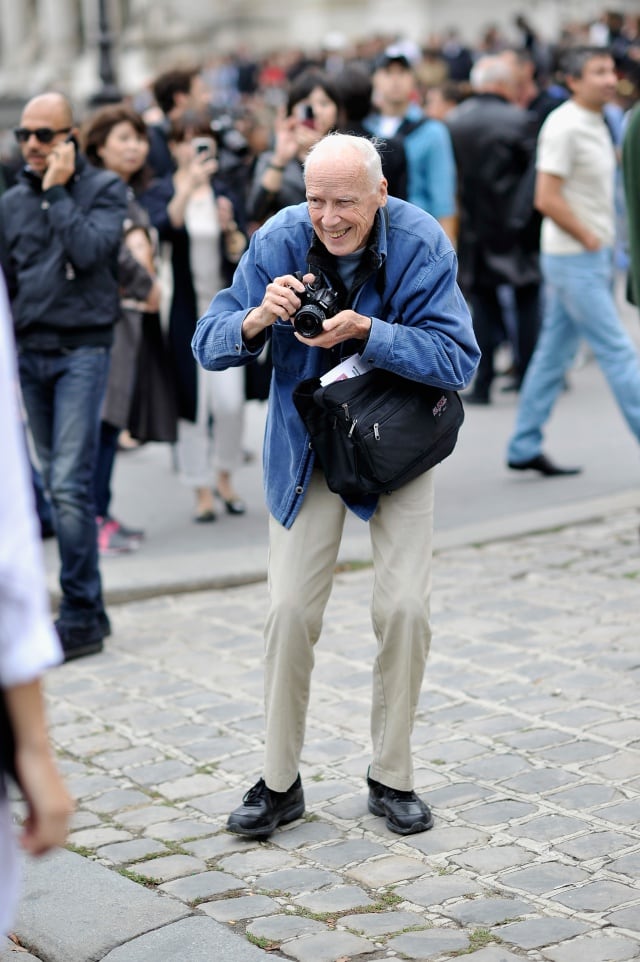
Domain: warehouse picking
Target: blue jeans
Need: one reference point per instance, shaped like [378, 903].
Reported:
[43, 505]
[107, 450]
[63, 394]
[579, 304]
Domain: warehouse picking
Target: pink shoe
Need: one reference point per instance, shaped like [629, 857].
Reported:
[111, 541]
[134, 534]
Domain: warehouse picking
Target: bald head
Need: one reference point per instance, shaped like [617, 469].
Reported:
[51, 103]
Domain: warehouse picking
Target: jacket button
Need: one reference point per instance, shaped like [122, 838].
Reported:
[45, 205]
[299, 489]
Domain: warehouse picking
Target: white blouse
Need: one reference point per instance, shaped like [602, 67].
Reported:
[28, 642]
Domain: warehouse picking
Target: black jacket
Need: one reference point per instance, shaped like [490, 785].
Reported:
[494, 146]
[59, 253]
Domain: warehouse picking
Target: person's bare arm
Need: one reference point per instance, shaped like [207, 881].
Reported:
[449, 225]
[550, 201]
[49, 805]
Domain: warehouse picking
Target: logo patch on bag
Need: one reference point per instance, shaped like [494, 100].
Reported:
[440, 407]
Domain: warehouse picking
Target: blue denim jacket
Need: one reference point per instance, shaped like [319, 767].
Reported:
[421, 328]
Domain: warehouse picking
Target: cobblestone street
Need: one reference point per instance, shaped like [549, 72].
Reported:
[527, 746]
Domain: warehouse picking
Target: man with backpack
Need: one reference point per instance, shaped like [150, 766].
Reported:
[431, 170]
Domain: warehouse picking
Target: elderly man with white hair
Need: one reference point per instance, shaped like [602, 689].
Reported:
[399, 308]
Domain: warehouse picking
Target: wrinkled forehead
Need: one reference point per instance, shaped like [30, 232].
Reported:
[344, 169]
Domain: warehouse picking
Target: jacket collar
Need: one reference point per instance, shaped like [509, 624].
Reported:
[487, 95]
[34, 181]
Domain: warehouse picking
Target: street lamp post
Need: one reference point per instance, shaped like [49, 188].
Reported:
[109, 92]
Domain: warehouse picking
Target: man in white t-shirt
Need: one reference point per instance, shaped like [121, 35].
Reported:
[575, 193]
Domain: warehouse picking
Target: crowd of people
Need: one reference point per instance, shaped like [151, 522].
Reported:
[205, 156]
[200, 160]
[203, 196]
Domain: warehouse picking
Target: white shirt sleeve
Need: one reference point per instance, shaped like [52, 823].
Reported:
[28, 642]
[555, 145]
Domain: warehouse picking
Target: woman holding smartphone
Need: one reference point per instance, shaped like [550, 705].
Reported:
[196, 212]
[312, 110]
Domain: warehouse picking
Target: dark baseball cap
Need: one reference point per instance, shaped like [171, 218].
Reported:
[393, 54]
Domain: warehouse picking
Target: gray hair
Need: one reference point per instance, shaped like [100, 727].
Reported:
[488, 72]
[335, 146]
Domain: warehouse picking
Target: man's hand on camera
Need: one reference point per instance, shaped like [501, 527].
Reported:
[280, 300]
[344, 326]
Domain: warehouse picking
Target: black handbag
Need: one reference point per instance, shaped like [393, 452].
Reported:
[375, 432]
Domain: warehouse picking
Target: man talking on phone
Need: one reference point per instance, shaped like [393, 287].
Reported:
[60, 231]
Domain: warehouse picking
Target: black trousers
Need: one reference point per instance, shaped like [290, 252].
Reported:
[491, 331]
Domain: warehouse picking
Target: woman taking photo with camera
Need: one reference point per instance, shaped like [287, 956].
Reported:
[312, 111]
[194, 210]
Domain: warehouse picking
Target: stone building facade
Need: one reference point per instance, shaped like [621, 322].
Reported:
[55, 42]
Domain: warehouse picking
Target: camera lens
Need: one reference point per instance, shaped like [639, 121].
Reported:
[308, 321]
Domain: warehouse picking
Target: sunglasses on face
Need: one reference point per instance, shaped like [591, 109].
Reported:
[44, 134]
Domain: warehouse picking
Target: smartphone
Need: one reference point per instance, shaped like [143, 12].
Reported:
[306, 116]
[202, 145]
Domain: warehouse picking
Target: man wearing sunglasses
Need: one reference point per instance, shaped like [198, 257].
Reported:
[60, 231]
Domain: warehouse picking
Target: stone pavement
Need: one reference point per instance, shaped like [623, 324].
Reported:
[527, 746]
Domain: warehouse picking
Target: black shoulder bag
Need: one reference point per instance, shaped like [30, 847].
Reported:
[377, 431]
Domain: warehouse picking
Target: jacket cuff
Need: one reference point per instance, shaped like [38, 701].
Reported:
[54, 194]
[378, 344]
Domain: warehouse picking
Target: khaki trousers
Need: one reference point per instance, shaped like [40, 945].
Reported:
[301, 568]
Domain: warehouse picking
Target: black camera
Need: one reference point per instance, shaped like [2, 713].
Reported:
[228, 137]
[318, 303]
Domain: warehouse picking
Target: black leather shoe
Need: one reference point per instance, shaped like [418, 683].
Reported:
[542, 464]
[262, 810]
[104, 623]
[232, 505]
[78, 641]
[403, 812]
